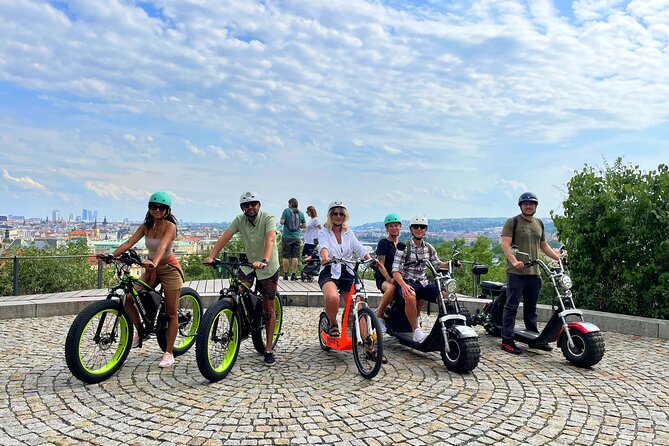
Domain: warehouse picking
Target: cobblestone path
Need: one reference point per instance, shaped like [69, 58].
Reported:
[316, 397]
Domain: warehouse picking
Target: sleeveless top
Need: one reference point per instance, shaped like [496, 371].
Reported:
[152, 245]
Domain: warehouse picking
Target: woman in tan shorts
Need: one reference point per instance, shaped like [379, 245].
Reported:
[160, 230]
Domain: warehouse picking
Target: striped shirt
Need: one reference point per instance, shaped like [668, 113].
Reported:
[415, 272]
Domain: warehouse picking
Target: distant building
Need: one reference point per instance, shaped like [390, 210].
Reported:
[55, 215]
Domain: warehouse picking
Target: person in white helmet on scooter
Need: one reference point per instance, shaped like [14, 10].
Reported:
[409, 274]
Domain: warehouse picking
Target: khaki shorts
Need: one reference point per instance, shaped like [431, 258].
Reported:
[169, 277]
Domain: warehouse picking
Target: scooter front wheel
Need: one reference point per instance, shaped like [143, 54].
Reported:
[368, 355]
[588, 348]
[463, 355]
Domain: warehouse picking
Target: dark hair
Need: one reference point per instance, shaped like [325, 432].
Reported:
[148, 219]
[292, 203]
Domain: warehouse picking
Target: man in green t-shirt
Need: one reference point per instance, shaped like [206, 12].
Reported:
[258, 232]
[292, 220]
[527, 233]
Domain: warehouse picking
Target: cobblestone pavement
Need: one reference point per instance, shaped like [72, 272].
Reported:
[316, 397]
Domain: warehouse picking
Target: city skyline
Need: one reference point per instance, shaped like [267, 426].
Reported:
[446, 109]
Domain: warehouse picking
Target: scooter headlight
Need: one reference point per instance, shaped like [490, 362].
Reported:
[451, 286]
[566, 282]
[118, 292]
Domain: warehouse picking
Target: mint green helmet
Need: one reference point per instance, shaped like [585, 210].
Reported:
[392, 218]
[161, 198]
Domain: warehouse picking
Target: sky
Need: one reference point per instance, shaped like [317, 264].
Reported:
[439, 108]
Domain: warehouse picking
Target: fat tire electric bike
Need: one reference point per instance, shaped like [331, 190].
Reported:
[236, 314]
[100, 337]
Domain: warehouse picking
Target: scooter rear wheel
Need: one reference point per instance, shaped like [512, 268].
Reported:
[323, 326]
[588, 348]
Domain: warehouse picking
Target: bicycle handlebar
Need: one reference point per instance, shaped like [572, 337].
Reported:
[216, 263]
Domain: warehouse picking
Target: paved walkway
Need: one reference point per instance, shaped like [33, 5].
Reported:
[316, 397]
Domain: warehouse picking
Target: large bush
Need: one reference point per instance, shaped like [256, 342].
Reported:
[616, 228]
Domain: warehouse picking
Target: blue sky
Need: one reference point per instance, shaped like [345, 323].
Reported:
[447, 109]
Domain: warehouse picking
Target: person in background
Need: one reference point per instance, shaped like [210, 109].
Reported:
[311, 233]
[292, 220]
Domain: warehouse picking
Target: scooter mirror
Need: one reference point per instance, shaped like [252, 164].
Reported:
[401, 246]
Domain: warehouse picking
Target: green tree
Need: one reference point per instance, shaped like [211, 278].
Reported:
[479, 252]
[616, 227]
[53, 274]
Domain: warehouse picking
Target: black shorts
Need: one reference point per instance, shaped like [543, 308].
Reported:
[429, 293]
[265, 287]
[343, 283]
[290, 248]
[379, 282]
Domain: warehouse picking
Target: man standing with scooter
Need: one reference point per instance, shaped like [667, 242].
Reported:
[527, 233]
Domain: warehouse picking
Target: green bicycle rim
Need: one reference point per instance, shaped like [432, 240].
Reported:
[123, 342]
[194, 323]
[232, 343]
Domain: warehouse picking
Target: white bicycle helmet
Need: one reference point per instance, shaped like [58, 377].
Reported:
[248, 197]
[336, 204]
[418, 220]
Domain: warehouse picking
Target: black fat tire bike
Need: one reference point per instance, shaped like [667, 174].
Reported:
[100, 337]
[232, 318]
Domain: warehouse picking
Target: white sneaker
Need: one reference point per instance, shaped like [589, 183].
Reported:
[418, 335]
[167, 361]
[382, 323]
[136, 342]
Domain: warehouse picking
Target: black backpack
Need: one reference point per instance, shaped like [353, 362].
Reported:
[293, 223]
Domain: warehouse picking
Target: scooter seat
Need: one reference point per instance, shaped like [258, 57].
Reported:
[480, 269]
[488, 286]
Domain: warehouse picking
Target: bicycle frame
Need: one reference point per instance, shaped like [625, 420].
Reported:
[236, 291]
[127, 285]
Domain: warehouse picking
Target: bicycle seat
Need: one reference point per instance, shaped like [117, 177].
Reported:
[488, 286]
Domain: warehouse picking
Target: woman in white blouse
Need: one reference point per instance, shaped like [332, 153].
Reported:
[337, 240]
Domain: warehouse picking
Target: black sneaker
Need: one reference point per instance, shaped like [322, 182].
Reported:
[293, 277]
[269, 358]
[544, 347]
[285, 277]
[510, 347]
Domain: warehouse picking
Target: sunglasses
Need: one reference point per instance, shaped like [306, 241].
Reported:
[338, 214]
[158, 207]
[249, 204]
[423, 227]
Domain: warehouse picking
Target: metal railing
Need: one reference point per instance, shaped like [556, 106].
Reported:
[100, 265]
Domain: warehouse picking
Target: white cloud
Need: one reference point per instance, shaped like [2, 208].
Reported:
[22, 182]
[344, 90]
[115, 191]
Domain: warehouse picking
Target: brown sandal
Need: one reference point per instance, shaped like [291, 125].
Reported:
[371, 355]
[334, 331]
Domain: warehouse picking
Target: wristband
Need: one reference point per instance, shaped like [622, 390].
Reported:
[264, 261]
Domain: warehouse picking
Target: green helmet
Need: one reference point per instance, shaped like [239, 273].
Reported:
[392, 218]
[161, 198]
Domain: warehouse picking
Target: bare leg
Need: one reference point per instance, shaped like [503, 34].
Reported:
[171, 304]
[331, 296]
[268, 307]
[388, 293]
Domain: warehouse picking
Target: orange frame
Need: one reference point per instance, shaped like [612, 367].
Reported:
[343, 342]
